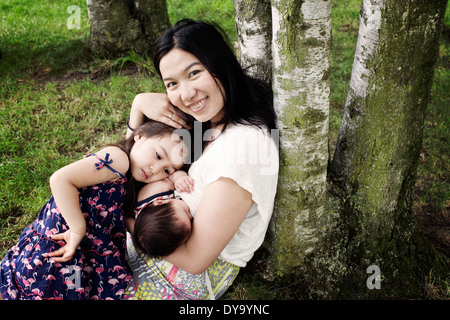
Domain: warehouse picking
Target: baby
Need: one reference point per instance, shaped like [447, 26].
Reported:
[162, 219]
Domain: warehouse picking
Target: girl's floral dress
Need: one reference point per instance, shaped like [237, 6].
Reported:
[98, 269]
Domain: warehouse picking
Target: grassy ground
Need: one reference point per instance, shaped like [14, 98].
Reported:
[58, 102]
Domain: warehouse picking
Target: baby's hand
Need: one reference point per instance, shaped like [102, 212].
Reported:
[184, 184]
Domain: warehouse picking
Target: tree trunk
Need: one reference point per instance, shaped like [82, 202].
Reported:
[301, 69]
[119, 26]
[254, 30]
[373, 172]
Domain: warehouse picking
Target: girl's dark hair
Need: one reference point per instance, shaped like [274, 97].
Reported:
[149, 129]
[158, 231]
[247, 100]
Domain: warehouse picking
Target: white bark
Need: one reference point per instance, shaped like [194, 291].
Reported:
[301, 67]
[253, 25]
[252, 43]
[369, 27]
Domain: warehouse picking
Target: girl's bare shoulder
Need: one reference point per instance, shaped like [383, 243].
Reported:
[120, 161]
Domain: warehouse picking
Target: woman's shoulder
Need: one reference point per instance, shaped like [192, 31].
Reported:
[245, 147]
[243, 135]
[245, 130]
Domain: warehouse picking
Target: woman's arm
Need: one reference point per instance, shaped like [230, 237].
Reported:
[64, 184]
[223, 207]
[155, 106]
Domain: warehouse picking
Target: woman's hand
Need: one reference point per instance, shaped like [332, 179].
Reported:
[155, 106]
[66, 252]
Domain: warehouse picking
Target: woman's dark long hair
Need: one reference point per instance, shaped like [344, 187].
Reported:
[247, 100]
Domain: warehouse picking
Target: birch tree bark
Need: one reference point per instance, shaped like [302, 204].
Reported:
[254, 30]
[373, 172]
[119, 26]
[301, 33]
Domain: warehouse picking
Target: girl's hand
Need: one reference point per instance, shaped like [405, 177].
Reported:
[184, 184]
[66, 252]
[155, 106]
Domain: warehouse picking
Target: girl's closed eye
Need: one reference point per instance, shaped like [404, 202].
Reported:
[166, 170]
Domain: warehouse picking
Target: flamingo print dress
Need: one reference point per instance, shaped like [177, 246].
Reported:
[98, 270]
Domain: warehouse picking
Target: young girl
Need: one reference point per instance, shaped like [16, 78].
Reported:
[163, 219]
[75, 249]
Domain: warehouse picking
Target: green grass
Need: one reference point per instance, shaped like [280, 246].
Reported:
[58, 102]
[220, 11]
[345, 25]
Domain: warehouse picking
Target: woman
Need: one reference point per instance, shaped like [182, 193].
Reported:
[235, 177]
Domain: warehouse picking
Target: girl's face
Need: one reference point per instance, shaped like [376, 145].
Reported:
[155, 158]
[191, 87]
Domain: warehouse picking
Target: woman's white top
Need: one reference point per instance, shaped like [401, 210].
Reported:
[249, 156]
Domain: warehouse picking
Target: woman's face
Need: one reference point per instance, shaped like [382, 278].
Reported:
[191, 87]
[155, 158]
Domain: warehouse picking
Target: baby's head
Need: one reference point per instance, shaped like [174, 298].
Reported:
[162, 226]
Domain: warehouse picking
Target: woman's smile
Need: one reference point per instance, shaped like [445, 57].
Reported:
[198, 106]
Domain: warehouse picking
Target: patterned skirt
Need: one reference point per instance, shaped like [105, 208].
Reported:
[158, 279]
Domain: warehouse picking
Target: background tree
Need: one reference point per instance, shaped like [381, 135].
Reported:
[373, 172]
[119, 26]
[301, 68]
[254, 31]
[329, 243]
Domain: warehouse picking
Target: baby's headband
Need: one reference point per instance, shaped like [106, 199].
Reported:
[138, 209]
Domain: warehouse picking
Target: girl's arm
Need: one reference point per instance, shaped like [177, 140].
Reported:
[64, 184]
[223, 207]
[155, 106]
[155, 187]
